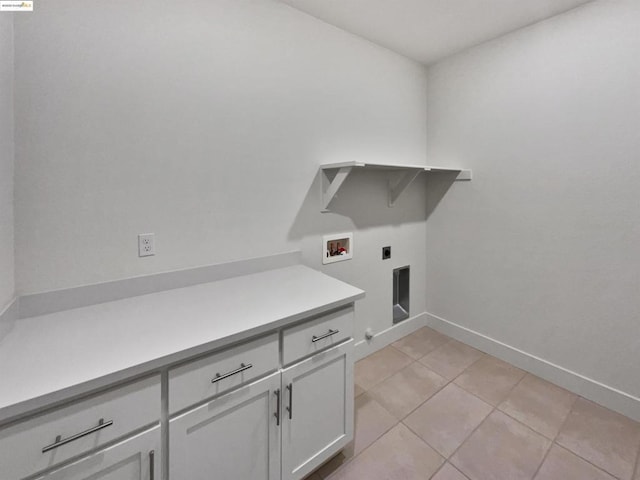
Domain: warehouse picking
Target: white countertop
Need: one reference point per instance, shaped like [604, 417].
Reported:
[54, 357]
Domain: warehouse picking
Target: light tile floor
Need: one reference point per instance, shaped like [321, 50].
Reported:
[429, 407]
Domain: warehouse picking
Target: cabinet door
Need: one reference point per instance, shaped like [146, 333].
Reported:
[233, 437]
[137, 458]
[317, 397]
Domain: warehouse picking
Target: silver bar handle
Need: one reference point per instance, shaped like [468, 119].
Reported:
[314, 339]
[63, 441]
[290, 407]
[152, 465]
[277, 414]
[242, 368]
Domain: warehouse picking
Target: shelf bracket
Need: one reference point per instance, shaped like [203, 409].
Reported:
[330, 187]
[399, 182]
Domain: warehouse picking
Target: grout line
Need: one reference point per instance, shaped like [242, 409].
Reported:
[559, 445]
[544, 459]
[470, 393]
[566, 419]
[600, 469]
[552, 441]
[469, 436]
[494, 409]
[390, 375]
[349, 460]
[448, 382]
[447, 462]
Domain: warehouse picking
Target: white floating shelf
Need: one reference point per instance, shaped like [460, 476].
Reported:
[334, 175]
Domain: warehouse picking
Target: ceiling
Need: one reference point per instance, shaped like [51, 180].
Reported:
[428, 30]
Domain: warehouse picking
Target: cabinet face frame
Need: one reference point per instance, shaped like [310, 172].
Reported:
[337, 364]
[144, 448]
[204, 416]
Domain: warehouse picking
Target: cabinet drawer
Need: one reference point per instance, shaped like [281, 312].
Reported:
[136, 458]
[315, 335]
[33, 445]
[202, 379]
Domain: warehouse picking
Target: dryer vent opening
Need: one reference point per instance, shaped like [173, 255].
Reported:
[400, 294]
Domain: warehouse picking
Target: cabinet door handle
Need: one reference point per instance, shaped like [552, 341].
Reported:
[242, 368]
[290, 407]
[152, 465]
[277, 414]
[63, 441]
[314, 339]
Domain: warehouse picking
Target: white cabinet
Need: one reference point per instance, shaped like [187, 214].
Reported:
[316, 335]
[200, 380]
[137, 458]
[281, 427]
[233, 437]
[204, 385]
[45, 441]
[318, 410]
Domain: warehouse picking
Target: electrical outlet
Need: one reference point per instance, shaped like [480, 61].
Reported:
[386, 253]
[146, 244]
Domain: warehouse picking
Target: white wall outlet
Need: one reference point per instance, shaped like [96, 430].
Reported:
[146, 244]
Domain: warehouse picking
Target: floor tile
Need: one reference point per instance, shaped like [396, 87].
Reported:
[448, 472]
[378, 366]
[421, 342]
[605, 438]
[539, 404]
[448, 418]
[451, 359]
[398, 455]
[358, 390]
[402, 392]
[337, 462]
[490, 379]
[501, 448]
[372, 421]
[561, 464]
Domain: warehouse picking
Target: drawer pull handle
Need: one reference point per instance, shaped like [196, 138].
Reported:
[290, 407]
[152, 465]
[60, 441]
[277, 414]
[314, 339]
[242, 368]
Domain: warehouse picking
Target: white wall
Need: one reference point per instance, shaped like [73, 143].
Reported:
[205, 122]
[6, 161]
[541, 251]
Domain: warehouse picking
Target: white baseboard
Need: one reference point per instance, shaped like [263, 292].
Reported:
[8, 316]
[9, 312]
[588, 388]
[390, 335]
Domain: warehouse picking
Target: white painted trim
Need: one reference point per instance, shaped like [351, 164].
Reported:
[591, 389]
[65, 299]
[390, 335]
[8, 317]
[10, 311]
